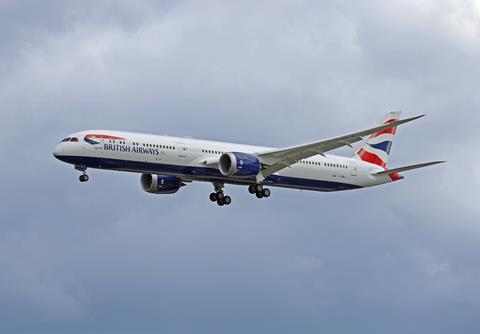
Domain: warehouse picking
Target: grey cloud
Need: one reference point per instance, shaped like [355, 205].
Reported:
[106, 257]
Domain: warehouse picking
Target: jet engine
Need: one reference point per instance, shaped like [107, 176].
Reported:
[239, 164]
[160, 184]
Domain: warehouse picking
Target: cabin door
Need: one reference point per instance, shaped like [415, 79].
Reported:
[353, 169]
[182, 151]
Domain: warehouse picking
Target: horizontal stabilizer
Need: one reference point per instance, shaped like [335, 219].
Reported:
[403, 169]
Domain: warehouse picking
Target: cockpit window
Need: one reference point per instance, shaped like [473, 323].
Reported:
[74, 139]
[65, 140]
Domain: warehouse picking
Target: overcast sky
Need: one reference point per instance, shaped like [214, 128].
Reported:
[105, 257]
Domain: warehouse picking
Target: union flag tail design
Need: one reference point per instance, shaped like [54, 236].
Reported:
[376, 148]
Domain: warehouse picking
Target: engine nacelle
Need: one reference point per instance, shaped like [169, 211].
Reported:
[239, 164]
[160, 184]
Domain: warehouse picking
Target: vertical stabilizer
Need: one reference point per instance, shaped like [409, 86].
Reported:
[376, 148]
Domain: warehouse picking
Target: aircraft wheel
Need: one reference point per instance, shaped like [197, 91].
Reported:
[251, 189]
[221, 202]
[258, 188]
[220, 195]
[227, 200]
[213, 197]
[259, 195]
[83, 178]
[266, 192]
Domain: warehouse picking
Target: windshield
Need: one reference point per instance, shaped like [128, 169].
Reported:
[72, 139]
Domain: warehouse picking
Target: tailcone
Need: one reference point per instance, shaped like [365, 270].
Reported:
[395, 177]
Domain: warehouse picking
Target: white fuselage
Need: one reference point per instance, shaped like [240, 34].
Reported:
[197, 160]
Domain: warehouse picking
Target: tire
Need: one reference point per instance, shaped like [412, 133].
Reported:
[258, 188]
[83, 178]
[266, 192]
[227, 200]
[221, 202]
[251, 189]
[259, 195]
[213, 197]
[220, 195]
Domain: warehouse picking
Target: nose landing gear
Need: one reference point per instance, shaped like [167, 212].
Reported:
[84, 177]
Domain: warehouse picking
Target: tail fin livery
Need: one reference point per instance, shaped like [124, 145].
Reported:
[376, 148]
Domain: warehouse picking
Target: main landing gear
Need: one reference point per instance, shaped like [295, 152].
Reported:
[84, 177]
[259, 190]
[218, 196]
[221, 199]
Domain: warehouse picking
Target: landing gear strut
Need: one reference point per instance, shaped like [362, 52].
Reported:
[218, 196]
[84, 177]
[259, 190]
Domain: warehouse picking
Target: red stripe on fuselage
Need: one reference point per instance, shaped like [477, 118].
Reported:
[103, 137]
[371, 158]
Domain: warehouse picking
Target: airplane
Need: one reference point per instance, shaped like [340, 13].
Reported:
[168, 163]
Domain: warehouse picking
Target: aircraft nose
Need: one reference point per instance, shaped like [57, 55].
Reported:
[58, 151]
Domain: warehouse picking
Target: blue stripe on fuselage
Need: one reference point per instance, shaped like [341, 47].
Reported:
[203, 174]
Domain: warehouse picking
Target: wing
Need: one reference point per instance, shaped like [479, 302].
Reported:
[275, 160]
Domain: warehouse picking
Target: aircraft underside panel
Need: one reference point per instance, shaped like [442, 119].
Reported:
[204, 174]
